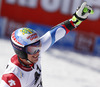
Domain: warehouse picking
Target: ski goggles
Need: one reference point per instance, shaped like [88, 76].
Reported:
[33, 48]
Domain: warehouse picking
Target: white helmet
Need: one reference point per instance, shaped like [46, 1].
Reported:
[23, 37]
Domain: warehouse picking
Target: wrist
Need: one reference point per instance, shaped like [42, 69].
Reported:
[76, 21]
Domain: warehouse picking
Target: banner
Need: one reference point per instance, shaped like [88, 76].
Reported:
[12, 25]
[97, 46]
[85, 42]
[2, 26]
[51, 12]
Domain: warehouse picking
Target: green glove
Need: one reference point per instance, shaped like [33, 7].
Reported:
[83, 11]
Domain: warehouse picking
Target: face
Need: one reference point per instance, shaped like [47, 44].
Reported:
[33, 52]
[33, 58]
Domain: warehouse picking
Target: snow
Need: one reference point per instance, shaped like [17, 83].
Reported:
[60, 68]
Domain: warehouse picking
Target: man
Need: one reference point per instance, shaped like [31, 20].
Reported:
[24, 68]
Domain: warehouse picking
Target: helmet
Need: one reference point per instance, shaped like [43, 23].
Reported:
[22, 38]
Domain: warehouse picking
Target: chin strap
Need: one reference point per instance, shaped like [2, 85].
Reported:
[25, 65]
[31, 65]
[29, 61]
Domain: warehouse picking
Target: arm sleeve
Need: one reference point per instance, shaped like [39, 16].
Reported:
[56, 33]
[10, 80]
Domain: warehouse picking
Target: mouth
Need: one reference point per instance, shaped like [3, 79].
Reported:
[35, 57]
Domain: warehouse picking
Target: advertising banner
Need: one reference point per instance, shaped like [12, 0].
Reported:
[10, 26]
[51, 12]
[39, 28]
[97, 46]
[85, 42]
[2, 26]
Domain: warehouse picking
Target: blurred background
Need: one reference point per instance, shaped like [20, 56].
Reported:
[41, 15]
[81, 44]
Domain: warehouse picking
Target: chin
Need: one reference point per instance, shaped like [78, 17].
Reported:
[35, 61]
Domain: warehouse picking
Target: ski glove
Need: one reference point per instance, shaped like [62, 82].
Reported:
[83, 11]
[81, 14]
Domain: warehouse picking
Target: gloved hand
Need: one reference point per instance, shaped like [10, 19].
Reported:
[83, 11]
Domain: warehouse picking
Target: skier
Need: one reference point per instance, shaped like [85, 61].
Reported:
[24, 68]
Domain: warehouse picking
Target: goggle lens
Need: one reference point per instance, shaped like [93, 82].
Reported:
[33, 48]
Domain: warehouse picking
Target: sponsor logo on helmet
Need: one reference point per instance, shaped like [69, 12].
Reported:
[33, 36]
[16, 47]
[26, 31]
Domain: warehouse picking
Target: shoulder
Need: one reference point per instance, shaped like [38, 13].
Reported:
[11, 80]
[11, 66]
[14, 59]
[15, 62]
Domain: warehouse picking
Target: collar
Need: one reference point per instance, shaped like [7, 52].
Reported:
[16, 60]
[25, 65]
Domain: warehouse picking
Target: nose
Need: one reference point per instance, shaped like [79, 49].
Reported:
[36, 53]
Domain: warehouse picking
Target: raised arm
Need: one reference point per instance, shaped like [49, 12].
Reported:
[59, 31]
